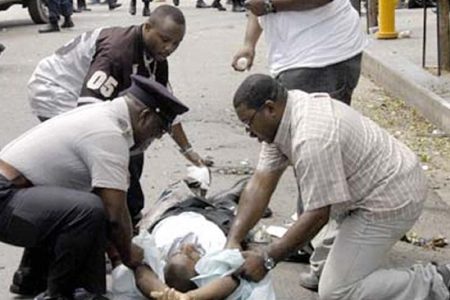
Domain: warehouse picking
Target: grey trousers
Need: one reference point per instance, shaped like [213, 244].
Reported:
[353, 268]
[66, 227]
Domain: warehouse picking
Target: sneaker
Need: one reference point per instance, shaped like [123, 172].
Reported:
[309, 281]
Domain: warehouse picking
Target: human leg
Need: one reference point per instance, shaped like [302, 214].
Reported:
[338, 80]
[53, 11]
[146, 9]
[69, 223]
[132, 8]
[353, 271]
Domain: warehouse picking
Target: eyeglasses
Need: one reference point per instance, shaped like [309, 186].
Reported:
[248, 124]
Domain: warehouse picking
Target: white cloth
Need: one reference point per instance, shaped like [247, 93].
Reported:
[209, 235]
[312, 38]
[82, 149]
[216, 262]
[56, 83]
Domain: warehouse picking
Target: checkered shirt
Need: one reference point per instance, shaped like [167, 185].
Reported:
[345, 160]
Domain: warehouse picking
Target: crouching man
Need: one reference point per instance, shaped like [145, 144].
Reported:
[347, 168]
[63, 187]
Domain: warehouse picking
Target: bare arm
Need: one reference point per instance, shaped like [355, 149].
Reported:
[179, 136]
[220, 288]
[115, 205]
[147, 281]
[304, 229]
[252, 34]
[252, 203]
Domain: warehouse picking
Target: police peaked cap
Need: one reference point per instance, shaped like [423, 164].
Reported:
[158, 97]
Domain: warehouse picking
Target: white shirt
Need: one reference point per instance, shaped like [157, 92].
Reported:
[83, 149]
[312, 38]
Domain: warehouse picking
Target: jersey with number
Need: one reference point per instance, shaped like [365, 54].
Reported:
[97, 64]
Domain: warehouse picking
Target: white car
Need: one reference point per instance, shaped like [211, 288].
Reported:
[36, 8]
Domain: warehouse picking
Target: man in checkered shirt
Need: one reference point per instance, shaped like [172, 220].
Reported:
[347, 168]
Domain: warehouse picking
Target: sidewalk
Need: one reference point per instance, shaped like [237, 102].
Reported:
[396, 65]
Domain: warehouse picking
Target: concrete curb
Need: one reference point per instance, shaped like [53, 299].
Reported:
[401, 78]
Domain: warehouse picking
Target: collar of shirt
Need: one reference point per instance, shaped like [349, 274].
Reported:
[122, 114]
[282, 137]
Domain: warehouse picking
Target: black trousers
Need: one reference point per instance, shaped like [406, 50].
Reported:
[64, 231]
[339, 80]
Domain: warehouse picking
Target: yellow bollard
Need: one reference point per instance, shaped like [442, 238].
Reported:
[386, 18]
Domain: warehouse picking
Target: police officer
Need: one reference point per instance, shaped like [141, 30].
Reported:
[63, 185]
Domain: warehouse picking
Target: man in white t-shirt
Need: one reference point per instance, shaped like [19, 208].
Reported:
[313, 46]
[63, 187]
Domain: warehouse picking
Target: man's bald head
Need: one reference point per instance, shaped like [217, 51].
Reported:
[167, 11]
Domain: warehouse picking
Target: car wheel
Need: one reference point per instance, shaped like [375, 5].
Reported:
[38, 11]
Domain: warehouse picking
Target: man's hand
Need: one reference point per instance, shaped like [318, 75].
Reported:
[253, 268]
[197, 160]
[247, 52]
[136, 257]
[170, 294]
[257, 7]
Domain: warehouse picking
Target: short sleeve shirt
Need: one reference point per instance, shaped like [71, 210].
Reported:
[345, 160]
[83, 149]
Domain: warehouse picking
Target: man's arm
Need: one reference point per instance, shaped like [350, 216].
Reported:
[147, 281]
[220, 288]
[252, 203]
[252, 34]
[304, 229]
[116, 209]
[179, 136]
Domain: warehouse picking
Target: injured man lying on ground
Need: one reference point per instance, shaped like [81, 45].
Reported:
[184, 251]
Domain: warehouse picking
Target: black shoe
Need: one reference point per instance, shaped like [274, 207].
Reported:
[27, 284]
[50, 27]
[67, 23]
[47, 296]
[202, 4]
[114, 6]
[176, 2]
[146, 11]
[218, 5]
[2, 48]
[238, 8]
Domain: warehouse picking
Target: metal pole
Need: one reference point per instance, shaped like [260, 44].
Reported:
[424, 43]
[438, 24]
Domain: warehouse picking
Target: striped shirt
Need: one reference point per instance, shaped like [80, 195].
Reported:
[345, 160]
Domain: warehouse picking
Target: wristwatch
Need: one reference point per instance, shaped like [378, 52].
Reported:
[269, 7]
[269, 262]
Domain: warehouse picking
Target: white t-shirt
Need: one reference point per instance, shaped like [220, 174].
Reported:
[83, 149]
[209, 235]
[312, 38]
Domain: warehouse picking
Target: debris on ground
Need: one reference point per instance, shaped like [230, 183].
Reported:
[429, 243]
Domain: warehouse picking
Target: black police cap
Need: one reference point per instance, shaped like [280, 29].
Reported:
[158, 97]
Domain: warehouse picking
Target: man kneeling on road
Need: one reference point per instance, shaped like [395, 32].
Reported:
[63, 187]
[183, 243]
[347, 168]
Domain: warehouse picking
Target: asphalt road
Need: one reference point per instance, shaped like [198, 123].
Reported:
[202, 77]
